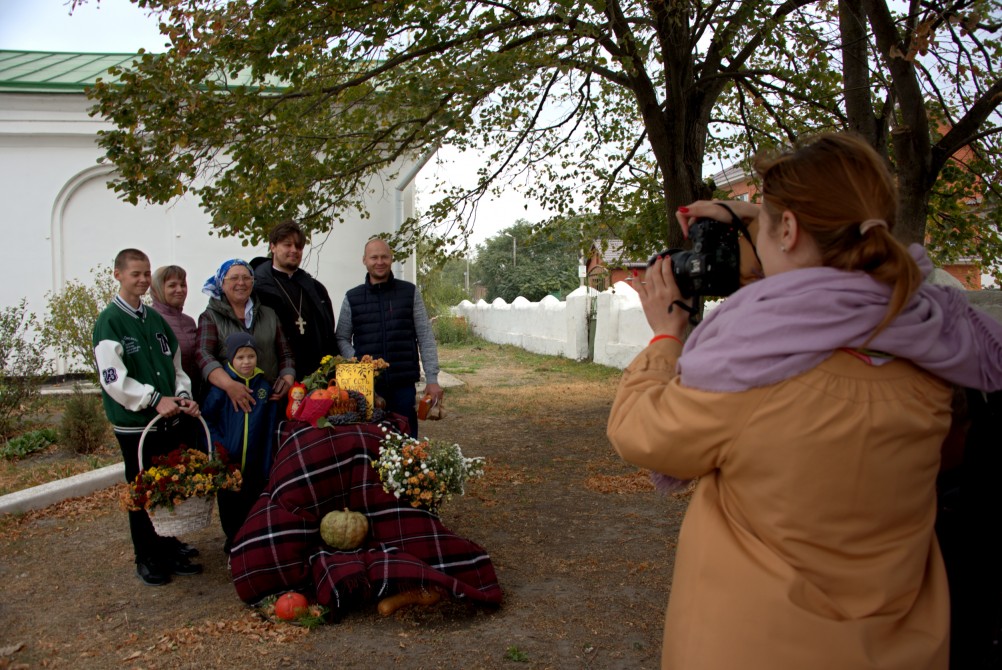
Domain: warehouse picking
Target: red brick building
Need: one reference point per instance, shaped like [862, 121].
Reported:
[607, 265]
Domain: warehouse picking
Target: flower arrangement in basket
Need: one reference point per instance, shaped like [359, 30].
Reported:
[179, 489]
[426, 472]
[320, 400]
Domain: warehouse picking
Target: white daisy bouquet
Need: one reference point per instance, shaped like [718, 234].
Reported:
[426, 472]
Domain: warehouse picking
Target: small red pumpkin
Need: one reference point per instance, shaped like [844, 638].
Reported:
[291, 606]
[337, 394]
[322, 394]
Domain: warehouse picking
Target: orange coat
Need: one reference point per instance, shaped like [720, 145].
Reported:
[809, 539]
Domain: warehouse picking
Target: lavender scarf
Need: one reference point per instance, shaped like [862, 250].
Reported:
[787, 324]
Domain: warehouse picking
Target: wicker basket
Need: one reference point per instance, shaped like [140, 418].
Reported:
[192, 514]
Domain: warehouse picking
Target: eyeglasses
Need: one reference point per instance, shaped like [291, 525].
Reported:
[240, 279]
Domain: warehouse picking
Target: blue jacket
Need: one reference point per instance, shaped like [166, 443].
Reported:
[247, 437]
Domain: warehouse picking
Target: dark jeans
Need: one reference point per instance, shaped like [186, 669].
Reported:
[400, 399]
[166, 436]
[234, 506]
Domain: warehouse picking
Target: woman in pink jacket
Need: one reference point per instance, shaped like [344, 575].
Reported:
[170, 290]
[811, 406]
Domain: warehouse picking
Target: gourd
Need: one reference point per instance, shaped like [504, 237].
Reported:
[422, 597]
[344, 530]
[291, 606]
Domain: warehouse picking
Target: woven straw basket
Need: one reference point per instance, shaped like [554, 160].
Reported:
[192, 514]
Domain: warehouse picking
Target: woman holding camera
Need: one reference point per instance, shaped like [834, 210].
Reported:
[812, 406]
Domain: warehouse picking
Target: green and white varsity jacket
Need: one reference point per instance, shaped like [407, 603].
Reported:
[138, 361]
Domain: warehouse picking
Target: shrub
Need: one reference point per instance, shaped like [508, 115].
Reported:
[452, 330]
[72, 315]
[83, 427]
[23, 365]
[22, 445]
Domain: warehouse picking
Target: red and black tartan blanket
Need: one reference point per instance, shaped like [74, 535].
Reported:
[317, 471]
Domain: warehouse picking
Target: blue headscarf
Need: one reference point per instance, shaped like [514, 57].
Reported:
[213, 286]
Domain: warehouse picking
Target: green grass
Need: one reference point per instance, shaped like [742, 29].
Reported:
[469, 358]
[457, 369]
[529, 382]
[515, 654]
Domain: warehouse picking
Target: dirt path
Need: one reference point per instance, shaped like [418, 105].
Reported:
[581, 543]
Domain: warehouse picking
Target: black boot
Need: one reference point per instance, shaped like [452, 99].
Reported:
[178, 548]
[151, 572]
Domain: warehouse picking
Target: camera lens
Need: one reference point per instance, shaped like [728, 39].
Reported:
[712, 266]
[686, 267]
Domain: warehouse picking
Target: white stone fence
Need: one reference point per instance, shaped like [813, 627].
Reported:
[612, 320]
[608, 328]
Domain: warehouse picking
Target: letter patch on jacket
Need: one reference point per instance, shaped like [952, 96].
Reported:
[164, 344]
[109, 375]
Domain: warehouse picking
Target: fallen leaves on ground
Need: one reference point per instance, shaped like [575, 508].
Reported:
[636, 482]
[12, 526]
[12, 649]
[251, 626]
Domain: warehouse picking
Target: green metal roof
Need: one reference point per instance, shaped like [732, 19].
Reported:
[55, 72]
[48, 72]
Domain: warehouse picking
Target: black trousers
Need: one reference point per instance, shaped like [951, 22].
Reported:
[166, 436]
[234, 506]
[401, 400]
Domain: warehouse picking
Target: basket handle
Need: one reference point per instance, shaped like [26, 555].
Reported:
[153, 421]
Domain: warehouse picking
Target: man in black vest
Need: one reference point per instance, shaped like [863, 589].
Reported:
[385, 317]
[302, 303]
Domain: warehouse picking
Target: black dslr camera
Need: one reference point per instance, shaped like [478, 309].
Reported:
[713, 265]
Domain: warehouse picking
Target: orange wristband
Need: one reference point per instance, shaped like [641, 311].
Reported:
[663, 337]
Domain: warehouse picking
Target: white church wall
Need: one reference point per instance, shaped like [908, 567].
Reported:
[60, 220]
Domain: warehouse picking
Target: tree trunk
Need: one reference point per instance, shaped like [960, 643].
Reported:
[910, 134]
[856, 76]
[914, 184]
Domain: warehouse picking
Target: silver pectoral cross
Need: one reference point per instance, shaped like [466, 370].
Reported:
[302, 325]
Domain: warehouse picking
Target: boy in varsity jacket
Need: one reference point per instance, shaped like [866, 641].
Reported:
[246, 436]
[139, 364]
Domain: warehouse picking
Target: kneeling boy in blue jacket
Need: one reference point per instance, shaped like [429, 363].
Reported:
[246, 436]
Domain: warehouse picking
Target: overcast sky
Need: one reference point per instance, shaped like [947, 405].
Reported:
[111, 26]
[119, 26]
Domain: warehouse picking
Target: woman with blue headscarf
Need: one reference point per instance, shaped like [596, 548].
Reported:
[232, 309]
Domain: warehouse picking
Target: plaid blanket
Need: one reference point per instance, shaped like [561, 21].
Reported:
[317, 471]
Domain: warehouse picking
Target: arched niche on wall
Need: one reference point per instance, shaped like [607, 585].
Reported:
[90, 224]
